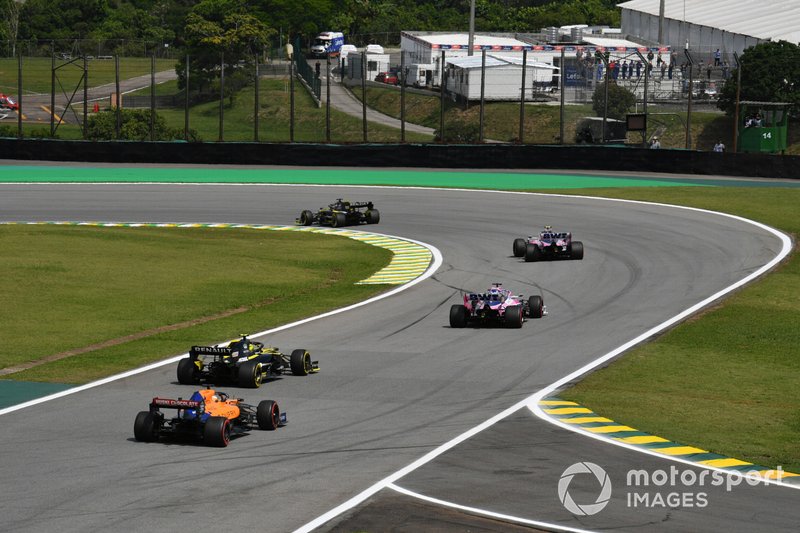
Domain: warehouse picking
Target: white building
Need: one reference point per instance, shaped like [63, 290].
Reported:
[706, 25]
[503, 78]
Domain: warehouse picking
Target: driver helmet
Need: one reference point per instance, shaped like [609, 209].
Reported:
[215, 397]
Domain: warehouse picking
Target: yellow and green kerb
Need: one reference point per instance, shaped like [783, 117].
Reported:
[586, 421]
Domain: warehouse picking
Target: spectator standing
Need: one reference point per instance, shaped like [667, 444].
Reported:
[625, 69]
[638, 69]
[719, 147]
[663, 69]
[616, 70]
[717, 58]
[708, 72]
[725, 70]
[655, 144]
[669, 71]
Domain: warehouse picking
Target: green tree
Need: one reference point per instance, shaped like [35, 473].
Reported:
[770, 73]
[135, 126]
[216, 27]
[620, 100]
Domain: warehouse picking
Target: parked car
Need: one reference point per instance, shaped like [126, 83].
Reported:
[387, 77]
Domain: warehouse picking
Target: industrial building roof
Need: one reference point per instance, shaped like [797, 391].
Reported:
[765, 19]
[474, 61]
[610, 42]
[462, 39]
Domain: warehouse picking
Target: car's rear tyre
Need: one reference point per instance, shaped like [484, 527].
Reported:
[250, 374]
[519, 247]
[217, 431]
[514, 316]
[188, 373]
[338, 220]
[373, 216]
[532, 253]
[535, 306]
[306, 218]
[268, 415]
[145, 428]
[300, 362]
[458, 316]
[576, 250]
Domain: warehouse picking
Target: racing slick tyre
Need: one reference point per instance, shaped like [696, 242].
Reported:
[217, 431]
[458, 316]
[519, 247]
[250, 374]
[300, 362]
[514, 316]
[373, 216]
[188, 374]
[532, 253]
[306, 218]
[338, 220]
[576, 250]
[268, 415]
[145, 428]
[535, 306]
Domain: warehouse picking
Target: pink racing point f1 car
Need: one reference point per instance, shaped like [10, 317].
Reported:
[548, 245]
[498, 305]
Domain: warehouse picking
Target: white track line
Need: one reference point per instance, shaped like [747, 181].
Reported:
[435, 264]
[490, 514]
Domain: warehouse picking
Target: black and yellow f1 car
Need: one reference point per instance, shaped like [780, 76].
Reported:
[242, 362]
[341, 213]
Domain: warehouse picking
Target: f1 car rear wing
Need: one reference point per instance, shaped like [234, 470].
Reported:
[210, 350]
[175, 404]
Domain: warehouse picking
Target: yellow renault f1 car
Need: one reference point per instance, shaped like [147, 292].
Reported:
[242, 362]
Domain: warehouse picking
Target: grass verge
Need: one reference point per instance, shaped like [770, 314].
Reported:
[36, 72]
[725, 381]
[542, 122]
[64, 288]
[274, 118]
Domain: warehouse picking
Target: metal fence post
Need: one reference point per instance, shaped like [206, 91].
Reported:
[53, 90]
[522, 97]
[689, 101]
[644, 103]
[328, 98]
[221, 96]
[85, 94]
[563, 87]
[153, 97]
[738, 96]
[403, 73]
[118, 110]
[186, 102]
[291, 98]
[364, 93]
[255, 101]
[19, 95]
[442, 88]
[483, 94]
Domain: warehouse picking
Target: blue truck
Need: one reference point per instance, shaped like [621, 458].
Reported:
[327, 43]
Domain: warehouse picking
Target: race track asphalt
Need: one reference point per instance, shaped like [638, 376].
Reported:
[396, 380]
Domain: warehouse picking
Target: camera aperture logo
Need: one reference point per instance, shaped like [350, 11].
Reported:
[590, 508]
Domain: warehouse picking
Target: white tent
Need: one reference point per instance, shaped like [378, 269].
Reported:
[503, 79]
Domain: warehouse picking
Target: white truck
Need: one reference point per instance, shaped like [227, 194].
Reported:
[422, 75]
[327, 43]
